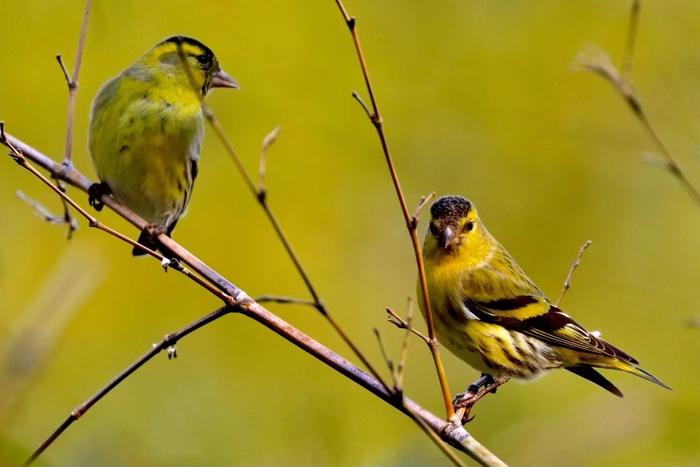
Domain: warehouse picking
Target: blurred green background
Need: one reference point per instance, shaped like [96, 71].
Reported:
[478, 100]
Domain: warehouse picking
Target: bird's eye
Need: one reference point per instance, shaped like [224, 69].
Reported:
[204, 60]
[468, 226]
[433, 229]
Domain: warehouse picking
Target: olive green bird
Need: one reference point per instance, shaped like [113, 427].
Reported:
[491, 315]
[146, 132]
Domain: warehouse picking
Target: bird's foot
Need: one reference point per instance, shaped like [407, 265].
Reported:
[154, 230]
[172, 352]
[149, 235]
[464, 401]
[483, 381]
[95, 193]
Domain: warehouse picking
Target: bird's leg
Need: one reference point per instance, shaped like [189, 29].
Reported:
[484, 380]
[95, 192]
[486, 384]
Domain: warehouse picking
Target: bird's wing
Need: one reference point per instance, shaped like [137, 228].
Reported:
[524, 308]
[536, 317]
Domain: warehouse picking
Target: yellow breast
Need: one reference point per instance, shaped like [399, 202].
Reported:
[143, 138]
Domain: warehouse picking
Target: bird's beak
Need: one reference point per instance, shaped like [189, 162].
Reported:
[446, 237]
[221, 79]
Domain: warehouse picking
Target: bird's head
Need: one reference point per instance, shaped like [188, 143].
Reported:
[454, 226]
[188, 62]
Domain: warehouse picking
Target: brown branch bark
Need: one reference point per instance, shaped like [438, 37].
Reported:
[238, 301]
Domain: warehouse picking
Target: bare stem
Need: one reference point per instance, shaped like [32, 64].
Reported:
[631, 38]
[283, 299]
[72, 83]
[424, 200]
[401, 367]
[268, 141]
[44, 212]
[376, 120]
[397, 321]
[389, 363]
[577, 262]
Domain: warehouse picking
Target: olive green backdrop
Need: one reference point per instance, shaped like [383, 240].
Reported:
[478, 100]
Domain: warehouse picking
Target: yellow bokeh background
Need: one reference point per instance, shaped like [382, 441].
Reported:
[478, 99]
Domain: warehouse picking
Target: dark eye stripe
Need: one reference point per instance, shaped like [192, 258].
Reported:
[204, 59]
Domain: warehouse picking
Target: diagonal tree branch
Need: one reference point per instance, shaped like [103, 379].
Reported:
[236, 300]
[570, 275]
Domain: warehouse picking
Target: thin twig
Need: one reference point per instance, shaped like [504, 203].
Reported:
[261, 196]
[577, 262]
[376, 120]
[72, 83]
[396, 320]
[43, 212]
[401, 367]
[626, 66]
[596, 60]
[268, 141]
[456, 436]
[356, 96]
[283, 299]
[385, 355]
[67, 218]
[422, 203]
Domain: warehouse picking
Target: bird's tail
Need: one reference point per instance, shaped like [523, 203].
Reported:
[586, 370]
[593, 376]
[146, 240]
[639, 371]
